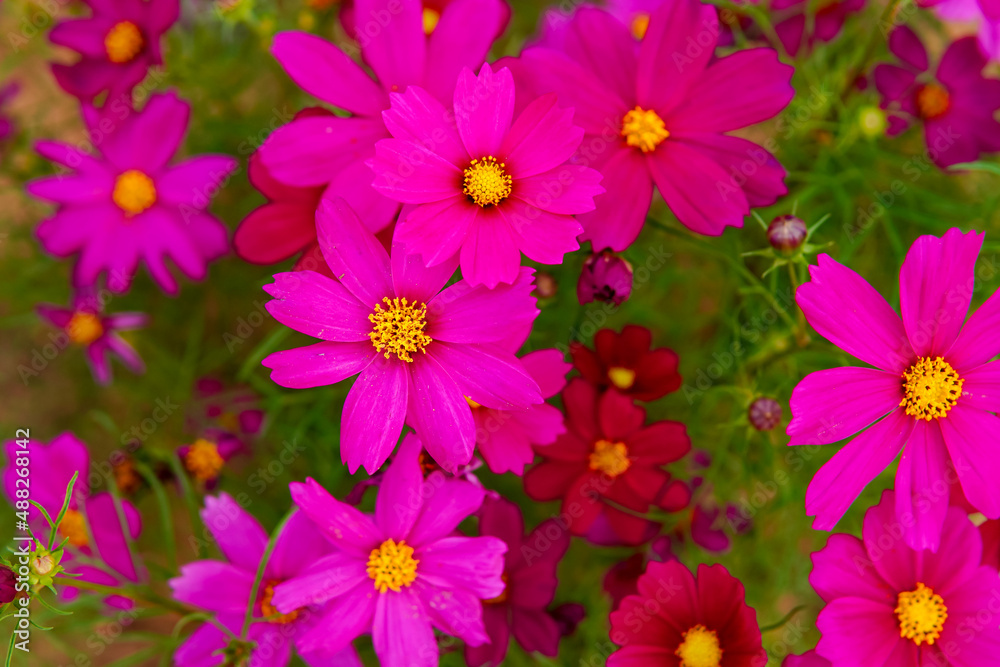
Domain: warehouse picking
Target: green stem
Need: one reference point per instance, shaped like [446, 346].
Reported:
[146, 597]
[866, 55]
[781, 623]
[260, 575]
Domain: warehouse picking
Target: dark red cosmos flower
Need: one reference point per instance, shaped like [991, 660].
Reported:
[530, 574]
[608, 463]
[677, 619]
[625, 362]
[286, 224]
[622, 579]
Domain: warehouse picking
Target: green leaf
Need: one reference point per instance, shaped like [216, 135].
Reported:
[65, 508]
[989, 167]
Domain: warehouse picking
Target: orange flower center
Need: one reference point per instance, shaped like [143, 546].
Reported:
[123, 42]
[84, 328]
[430, 19]
[203, 460]
[486, 181]
[644, 129]
[921, 614]
[610, 458]
[700, 648]
[623, 378]
[392, 566]
[134, 192]
[270, 611]
[931, 388]
[74, 528]
[933, 101]
[399, 328]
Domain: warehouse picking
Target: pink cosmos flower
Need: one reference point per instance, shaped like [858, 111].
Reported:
[651, 113]
[807, 659]
[887, 604]
[85, 324]
[128, 204]
[484, 185]
[956, 104]
[931, 396]
[505, 437]
[118, 43]
[333, 152]
[420, 349]
[224, 588]
[400, 573]
[529, 576]
[205, 458]
[232, 409]
[91, 525]
[431, 11]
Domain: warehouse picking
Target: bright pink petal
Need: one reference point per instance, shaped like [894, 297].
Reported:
[311, 151]
[274, 232]
[484, 106]
[854, 626]
[399, 500]
[842, 479]
[453, 45]
[392, 41]
[355, 256]
[543, 236]
[981, 389]
[921, 486]
[341, 621]
[754, 170]
[373, 414]
[843, 569]
[327, 73]
[488, 375]
[831, 405]
[621, 210]
[970, 436]
[466, 314]
[566, 189]
[240, 538]
[470, 563]
[196, 180]
[848, 312]
[454, 612]
[417, 117]
[978, 343]
[741, 89]
[490, 254]
[437, 231]
[439, 413]
[346, 527]
[401, 631]
[318, 306]
[320, 364]
[327, 578]
[413, 174]
[213, 585]
[935, 289]
[447, 502]
[668, 66]
[542, 138]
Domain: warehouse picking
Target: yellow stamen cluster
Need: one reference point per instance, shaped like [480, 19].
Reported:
[392, 566]
[399, 328]
[203, 460]
[610, 458]
[639, 25]
[123, 42]
[933, 101]
[699, 648]
[270, 611]
[921, 613]
[126, 477]
[623, 378]
[472, 403]
[486, 181]
[74, 528]
[931, 388]
[430, 19]
[84, 328]
[134, 192]
[644, 129]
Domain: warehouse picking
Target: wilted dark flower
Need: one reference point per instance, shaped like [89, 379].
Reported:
[605, 277]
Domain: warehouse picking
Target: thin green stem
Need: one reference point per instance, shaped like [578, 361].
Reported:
[146, 597]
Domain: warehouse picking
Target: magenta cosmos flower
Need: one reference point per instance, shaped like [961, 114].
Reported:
[653, 114]
[484, 186]
[529, 575]
[223, 587]
[118, 44]
[807, 659]
[827, 22]
[677, 619]
[400, 573]
[956, 104]
[128, 205]
[887, 604]
[333, 152]
[505, 437]
[419, 353]
[609, 462]
[931, 395]
[972, 11]
[91, 526]
[85, 324]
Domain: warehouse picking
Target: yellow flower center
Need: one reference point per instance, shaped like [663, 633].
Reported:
[134, 192]
[640, 24]
[486, 182]
[74, 528]
[472, 403]
[392, 566]
[700, 648]
[430, 19]
[623, 378]
[271, 612]
[933, 101]
[644, 129]
[500, 599]
[84, 328]
[611, 458]
[921, 613]
[399, 328]
[931, 388]
[203, 460]
[123, 42]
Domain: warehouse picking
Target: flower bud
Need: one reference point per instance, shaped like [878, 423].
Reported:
[765, 414]
[7, 583]
[786, 233]
[872, 122]
[605, 277]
